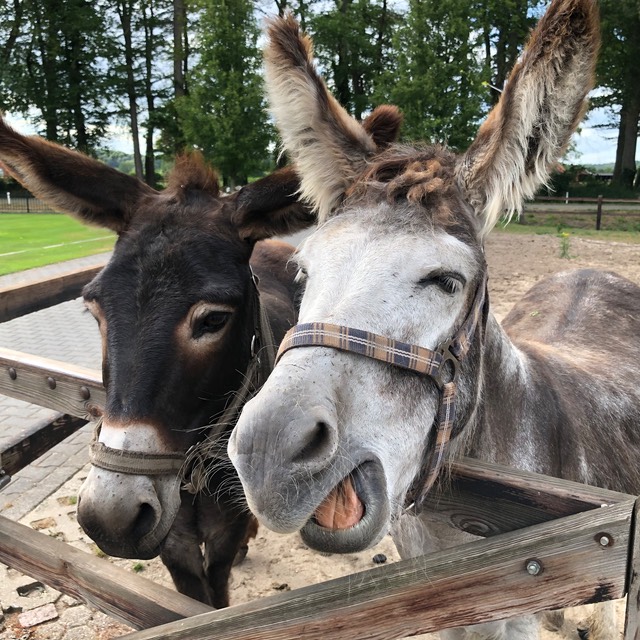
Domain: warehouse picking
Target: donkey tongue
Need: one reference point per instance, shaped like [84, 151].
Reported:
[341, 509]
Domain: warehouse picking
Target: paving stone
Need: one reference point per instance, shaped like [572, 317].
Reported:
[38, 616]
[76, 616]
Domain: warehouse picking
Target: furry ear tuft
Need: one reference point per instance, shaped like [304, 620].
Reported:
[191, 172]
[328, 147]
[383, 125]
[541, 106]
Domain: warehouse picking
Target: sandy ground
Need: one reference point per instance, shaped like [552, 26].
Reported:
[276, 563]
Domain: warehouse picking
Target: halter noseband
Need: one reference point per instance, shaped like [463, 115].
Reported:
[194, 461]
[441, 364]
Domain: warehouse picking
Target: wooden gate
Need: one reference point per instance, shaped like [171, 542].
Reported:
[547, 543]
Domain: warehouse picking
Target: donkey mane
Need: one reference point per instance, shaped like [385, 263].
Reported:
[192, 173]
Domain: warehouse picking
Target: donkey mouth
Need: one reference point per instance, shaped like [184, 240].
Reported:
[353, 516]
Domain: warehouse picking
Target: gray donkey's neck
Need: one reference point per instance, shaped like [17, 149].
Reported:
[559, 392]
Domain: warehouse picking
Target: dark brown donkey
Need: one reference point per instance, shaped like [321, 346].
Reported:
[182, 330]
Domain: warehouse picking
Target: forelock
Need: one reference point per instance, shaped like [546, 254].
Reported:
[192, 173]
[417, 176]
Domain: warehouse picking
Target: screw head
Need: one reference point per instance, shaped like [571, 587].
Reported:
[534, 568]
[51, 382]
[13, 374]
[85, 394]
[605, 540]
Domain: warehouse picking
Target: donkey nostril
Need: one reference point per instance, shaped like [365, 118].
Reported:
[145, 522]
[317, 443]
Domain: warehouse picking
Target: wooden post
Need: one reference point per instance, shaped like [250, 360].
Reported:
[599, 214]
[28, 204]
[632, 617]
[125, 596]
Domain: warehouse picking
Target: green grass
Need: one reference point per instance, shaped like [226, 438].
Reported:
[632, 237]
[35, 239]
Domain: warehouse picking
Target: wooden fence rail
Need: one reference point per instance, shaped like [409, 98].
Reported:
[18, 300]
[633, 212]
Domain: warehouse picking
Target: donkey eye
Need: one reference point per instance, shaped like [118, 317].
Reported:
[447, 282]
[211, 322]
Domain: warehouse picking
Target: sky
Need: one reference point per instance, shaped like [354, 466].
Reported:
[594, 145]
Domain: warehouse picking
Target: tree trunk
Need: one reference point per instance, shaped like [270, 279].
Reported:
[149, 40]
[179, 24]
[7, 48]
[625, 168]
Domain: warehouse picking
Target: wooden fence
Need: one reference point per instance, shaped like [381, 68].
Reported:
[598, 207]
[548, 544]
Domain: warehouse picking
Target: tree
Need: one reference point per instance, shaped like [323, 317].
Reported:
[353, 40]
[618, 76]
[437, 78]
[504, 26]
[224, 113]
[54, 65]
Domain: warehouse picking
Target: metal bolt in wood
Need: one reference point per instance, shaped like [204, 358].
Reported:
[85, 394]
[13, 374]
[534, 568]
[51, 382]
[605, 540]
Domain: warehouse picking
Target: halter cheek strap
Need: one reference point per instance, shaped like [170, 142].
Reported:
[441, 364]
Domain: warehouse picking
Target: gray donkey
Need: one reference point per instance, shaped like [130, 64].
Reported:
[397, 364]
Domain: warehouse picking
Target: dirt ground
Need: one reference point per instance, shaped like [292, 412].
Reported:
[279, 563]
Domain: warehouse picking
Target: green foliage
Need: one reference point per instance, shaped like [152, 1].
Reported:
[436, 80]
[582, 182]
[353, 41]
[54, 66]
[224, 114]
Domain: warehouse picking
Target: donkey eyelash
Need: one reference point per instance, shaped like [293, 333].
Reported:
[450, 283]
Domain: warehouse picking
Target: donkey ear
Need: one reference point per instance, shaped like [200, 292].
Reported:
[70, 181]
[383, 125]
[271, 207]
[327, 145]
[540, 107]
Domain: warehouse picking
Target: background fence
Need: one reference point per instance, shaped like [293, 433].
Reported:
[22, 202]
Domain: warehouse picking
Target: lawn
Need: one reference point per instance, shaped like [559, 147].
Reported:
[632, 237]
[34, 239]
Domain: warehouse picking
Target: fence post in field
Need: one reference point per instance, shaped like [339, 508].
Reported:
[566, 198]
[599, 214]
[8, 198]
[28, 204]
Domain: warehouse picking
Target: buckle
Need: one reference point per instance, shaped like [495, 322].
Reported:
[449, 362]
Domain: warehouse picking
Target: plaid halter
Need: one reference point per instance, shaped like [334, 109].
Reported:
[441, 364]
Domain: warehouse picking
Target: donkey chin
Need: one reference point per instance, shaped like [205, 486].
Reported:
[347, 516]
[128, 516]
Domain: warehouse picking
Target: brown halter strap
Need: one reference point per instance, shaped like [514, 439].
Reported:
[194, 461]
[441, 365]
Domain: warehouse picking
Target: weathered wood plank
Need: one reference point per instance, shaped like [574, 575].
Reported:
[632, 617]
[125, 596]
[487, 499]
[67, 388]
[18, 300]
[45, 435]
[478, 582]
